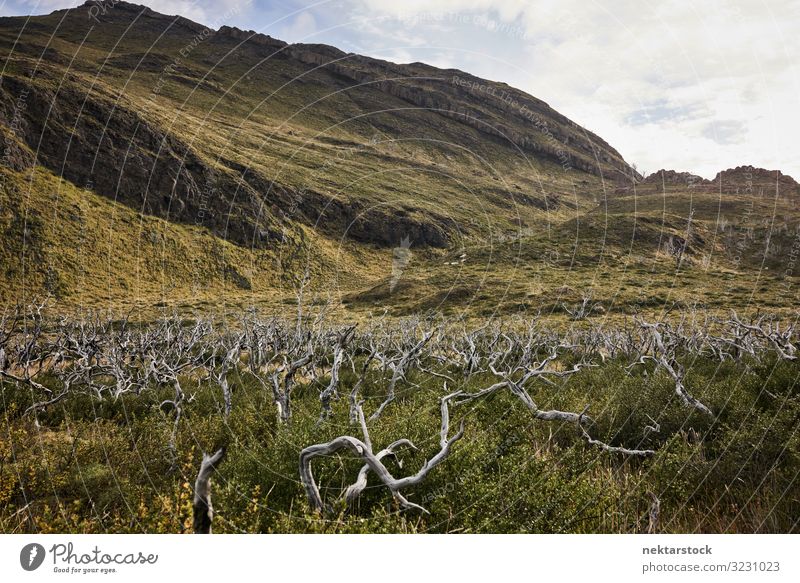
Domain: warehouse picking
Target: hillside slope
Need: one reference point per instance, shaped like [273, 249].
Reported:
[290, 155]
[163, 115]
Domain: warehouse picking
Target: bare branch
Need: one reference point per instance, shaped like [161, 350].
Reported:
[373, 462]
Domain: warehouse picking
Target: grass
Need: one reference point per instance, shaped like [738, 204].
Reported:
[92, 466]
[67, 243]
[534, 235]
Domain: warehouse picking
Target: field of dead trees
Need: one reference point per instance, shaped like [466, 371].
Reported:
[265, 424]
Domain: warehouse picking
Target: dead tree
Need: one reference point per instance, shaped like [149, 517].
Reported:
[653, 514]
[537, 370]
[354, 490]
[354, 402]
[203, 511]
[540, 371]
[225, 356]
[611, 448]
[299, 289]
[283, 381]
[363, 449]
[330, 392]
[399, 369]
[271, 342]
[23, 353]
[123, 364]
[175, 355]
[771, 333]
[663, 349]
[582, 310]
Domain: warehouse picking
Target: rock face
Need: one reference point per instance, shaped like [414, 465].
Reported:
[249, 36]
[378, 226]
[110, 149]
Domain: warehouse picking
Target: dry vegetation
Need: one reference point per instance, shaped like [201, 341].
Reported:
[683, 425]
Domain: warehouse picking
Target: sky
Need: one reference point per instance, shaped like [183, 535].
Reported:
[689, 86]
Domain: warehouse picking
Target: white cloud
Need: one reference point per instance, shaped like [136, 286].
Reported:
[301, 28]
[668, 83]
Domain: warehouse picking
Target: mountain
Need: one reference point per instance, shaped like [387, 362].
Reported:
[149, 159]
[101, 93]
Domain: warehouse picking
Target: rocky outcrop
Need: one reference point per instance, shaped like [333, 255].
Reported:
[745, 180]
[380, 226]
[340, 218]
[673, 178]
[249, 36]
[13, 153]
[757, 181]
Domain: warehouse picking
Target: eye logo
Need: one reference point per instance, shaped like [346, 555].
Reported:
[31, 556]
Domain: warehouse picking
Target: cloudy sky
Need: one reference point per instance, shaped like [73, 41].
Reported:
[670, 84]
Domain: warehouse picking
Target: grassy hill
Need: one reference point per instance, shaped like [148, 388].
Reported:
[150, 161]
